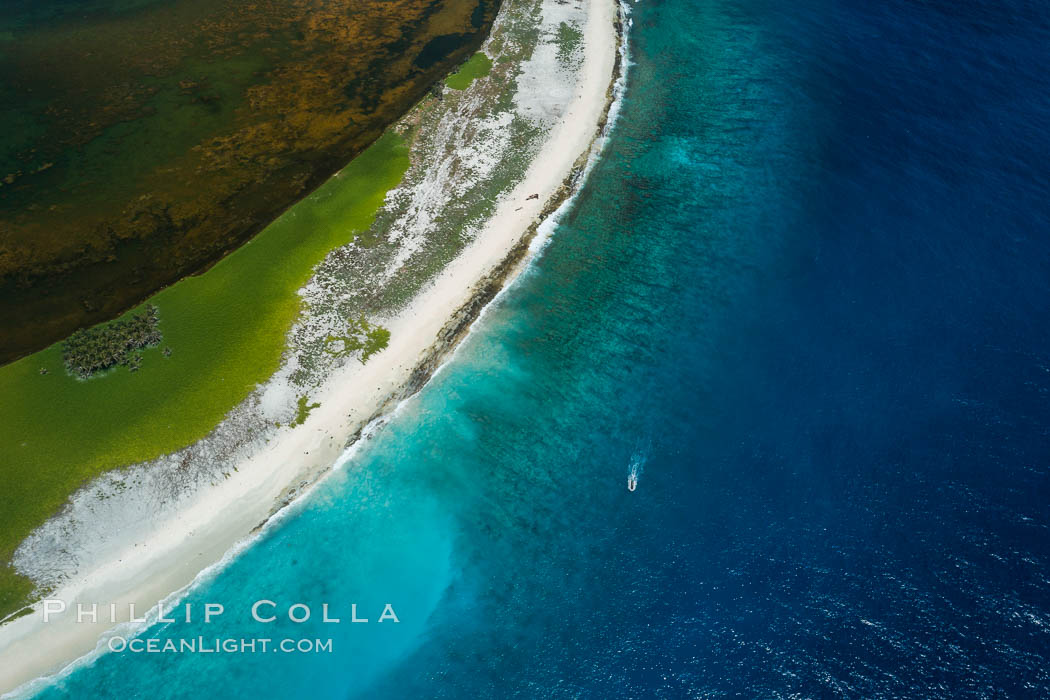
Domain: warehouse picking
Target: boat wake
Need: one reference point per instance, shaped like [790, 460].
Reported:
[636, 466]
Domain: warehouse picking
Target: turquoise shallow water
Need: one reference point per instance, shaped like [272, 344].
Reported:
[804, 294]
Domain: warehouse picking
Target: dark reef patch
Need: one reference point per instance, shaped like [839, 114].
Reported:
[438, 49]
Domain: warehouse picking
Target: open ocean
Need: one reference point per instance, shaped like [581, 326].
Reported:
[805, 294]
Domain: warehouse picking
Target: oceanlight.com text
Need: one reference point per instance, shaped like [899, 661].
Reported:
[217, 645]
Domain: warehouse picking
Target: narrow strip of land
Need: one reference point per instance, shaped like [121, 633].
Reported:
[177, 550]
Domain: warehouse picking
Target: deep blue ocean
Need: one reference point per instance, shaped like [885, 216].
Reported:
[805, 293]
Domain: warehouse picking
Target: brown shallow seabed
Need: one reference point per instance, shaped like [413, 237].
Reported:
[145, 145]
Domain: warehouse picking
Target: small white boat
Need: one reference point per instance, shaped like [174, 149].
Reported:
[632, 482]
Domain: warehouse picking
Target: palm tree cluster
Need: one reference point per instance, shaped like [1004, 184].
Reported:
[92, 350]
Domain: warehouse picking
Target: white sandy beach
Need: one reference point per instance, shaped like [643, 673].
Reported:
[173, 553]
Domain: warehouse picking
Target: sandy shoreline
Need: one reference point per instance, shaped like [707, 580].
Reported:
[148, 570]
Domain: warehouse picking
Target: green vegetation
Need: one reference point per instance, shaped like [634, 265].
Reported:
[302, 411]
[361, 336]
[92, 350]
[478, 66]
[375, 341]
[15, 591]
[227, 330]
[569, 40]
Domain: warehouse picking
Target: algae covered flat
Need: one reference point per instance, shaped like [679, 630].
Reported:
[141, 142]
